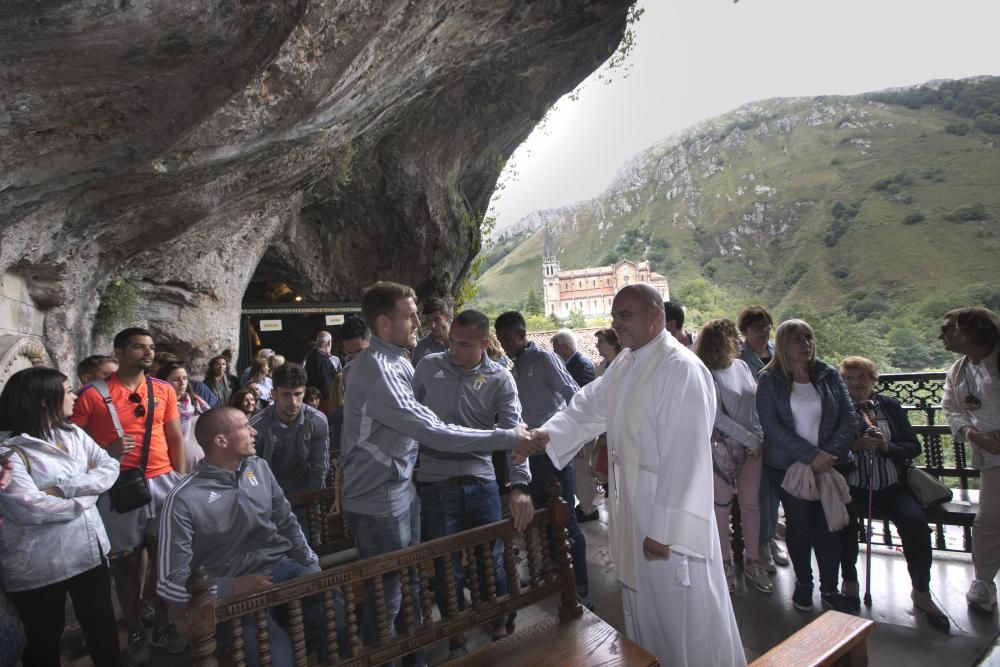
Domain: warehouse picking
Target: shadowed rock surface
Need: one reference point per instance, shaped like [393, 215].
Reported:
[190, 147]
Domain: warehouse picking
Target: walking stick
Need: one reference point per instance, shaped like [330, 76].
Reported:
[868, 553]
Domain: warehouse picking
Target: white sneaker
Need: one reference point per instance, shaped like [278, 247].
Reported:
[756, 574]
[778, 554]
[766, 559]
[727, 565]
[982, 595]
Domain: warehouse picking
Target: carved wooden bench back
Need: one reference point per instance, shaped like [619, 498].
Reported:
[327, 532]
[550, 574]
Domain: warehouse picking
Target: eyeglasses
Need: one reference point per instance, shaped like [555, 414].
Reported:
[140, 409]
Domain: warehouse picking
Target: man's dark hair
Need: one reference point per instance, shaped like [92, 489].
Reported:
[673, 311]
[434, 305]
[354, 327]
[122, 337]
[32, 403]
[166, 358]
[751, 316]
[381, 298]
[289, 376]
[510, 320]
[473, 318]
[92, 364]
[313, 394]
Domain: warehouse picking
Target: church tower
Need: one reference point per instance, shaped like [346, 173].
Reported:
[550, 273]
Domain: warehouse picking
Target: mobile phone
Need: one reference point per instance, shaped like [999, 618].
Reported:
[6, 455]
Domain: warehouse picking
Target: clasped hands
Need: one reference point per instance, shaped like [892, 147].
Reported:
[529, 443]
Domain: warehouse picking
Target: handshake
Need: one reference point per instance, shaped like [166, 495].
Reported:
[529, 443]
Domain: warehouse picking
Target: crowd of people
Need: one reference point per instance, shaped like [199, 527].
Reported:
[137, 473]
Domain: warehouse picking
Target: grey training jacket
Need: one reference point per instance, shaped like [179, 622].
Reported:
[234, 522]
[383, 422]
[483, 397]
[299, 454]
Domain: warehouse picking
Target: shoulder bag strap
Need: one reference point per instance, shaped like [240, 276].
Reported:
[102, 388]
[150, 404]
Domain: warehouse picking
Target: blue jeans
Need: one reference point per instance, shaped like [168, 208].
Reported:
[542, 470]
[447, 509]
[377, 534]
[312, 615]
[768, 502]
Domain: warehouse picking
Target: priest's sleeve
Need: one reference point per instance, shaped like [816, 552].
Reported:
[579, 423]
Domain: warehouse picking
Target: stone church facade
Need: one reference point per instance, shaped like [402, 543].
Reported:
[591, 290]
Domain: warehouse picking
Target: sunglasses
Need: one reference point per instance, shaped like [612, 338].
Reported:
[140, 409]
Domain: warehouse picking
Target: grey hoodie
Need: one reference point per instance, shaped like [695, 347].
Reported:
[544, 385]
[234, 522]
[483, 397]
[383, 422]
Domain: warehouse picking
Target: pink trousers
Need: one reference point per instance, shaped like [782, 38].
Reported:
[747, 492]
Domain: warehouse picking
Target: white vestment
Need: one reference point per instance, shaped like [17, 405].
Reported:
[657, 405]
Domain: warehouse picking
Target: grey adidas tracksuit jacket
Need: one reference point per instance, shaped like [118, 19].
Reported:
[234, 522]
[543, 383]
[483, 397]
[383, 422]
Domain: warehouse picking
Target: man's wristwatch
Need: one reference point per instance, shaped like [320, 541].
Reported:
[520, 487]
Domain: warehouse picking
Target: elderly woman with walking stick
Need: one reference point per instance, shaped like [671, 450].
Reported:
[885, 446]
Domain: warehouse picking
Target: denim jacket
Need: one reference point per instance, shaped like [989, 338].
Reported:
[838, 423]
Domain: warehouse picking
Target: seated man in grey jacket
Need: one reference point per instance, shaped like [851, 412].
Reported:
[230, 516]
[458, 490]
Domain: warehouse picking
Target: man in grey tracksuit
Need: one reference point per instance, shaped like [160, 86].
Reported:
[545, 387]
[458, 491]
[382, 424]
[231, 516]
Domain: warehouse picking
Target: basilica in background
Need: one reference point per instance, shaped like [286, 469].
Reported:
[591, 290]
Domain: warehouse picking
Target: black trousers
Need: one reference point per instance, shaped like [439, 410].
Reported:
[43, 612]
[901, 506]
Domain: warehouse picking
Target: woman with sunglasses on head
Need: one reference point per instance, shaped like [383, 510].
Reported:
[53, 541]
[971, 404]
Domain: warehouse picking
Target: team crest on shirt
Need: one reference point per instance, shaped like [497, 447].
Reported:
[251, 478]
[479, 382]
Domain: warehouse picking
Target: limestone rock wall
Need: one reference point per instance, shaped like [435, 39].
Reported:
[177, 145]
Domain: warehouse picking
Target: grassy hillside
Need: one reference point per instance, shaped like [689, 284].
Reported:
[828, 206]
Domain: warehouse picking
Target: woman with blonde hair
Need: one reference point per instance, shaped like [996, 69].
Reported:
[808, 418]
[737, 445]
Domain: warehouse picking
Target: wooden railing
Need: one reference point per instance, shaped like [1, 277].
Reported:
[549, 567]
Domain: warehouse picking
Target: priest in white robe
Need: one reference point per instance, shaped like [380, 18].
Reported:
[657, 403]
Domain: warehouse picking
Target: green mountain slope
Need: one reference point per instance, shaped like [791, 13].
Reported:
[825, 206]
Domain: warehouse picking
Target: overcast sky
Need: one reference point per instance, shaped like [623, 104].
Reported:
[695, 59]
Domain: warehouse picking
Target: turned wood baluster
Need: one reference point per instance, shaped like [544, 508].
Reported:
[426, 573]
[472, 574]
[534, 571]
[510, 566]
[545, 545]
[489, 573]
[315, 524]
[381, 621]
[450, 595]
[353, 634]
[199, 618]
[239, 646]
[330, 625]
[570, 605]
[297, 632]
[407, 599]
[263, 639]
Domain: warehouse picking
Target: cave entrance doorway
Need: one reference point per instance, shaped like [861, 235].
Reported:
[288, 329]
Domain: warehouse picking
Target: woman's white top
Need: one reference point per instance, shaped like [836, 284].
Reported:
[807, 410]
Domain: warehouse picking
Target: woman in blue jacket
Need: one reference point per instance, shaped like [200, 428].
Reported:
[807, 417]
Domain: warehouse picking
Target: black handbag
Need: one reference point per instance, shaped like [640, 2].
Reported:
[131, 491]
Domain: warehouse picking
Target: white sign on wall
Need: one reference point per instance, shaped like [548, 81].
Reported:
[270, 325]
[334, 320]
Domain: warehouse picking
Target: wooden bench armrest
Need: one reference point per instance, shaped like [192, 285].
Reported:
[832, 639]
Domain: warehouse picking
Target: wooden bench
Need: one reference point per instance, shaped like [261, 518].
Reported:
[577, 638]
[328, 536]
[832, 639]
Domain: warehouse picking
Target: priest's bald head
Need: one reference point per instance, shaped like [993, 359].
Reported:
[637, 315]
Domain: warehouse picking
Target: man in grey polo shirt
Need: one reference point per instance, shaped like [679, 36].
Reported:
[292, 437]
[436, 318]
[544, 388]
[458, 491]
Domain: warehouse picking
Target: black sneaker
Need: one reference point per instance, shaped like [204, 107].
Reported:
[838, 602]
[581, 517]
[802, 598]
